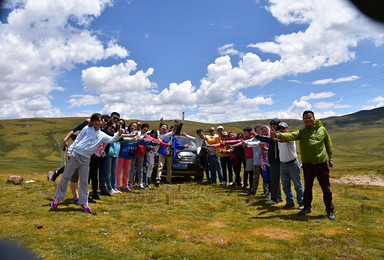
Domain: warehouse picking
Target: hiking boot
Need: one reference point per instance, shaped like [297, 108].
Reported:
[54, 204]
[55, 175]
[304, 211]
[331, 215]
[86, 208]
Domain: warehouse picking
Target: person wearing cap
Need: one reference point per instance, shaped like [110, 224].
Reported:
[290, 170]
[316, 154]
[225, 158]
[214, 160]
[274, 163]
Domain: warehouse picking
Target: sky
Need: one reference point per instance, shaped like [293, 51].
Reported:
[217, 60]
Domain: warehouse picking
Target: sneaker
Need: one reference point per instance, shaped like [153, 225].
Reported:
[113, 191]
[331, 215]
[304, 211]
[301, 205]
[95, 196]
[141, 186]
[55, 175]
[126, 190]
[105, 193]
[267, 194]
[231, 184]
[148, 186]
[118, 191]
[271, 202]
[288, 206]
[91, 200]
[157, 183]
[75, 201]
[55, 203]
[86, 208]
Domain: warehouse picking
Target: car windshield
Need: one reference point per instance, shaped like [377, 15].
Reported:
[185, 141]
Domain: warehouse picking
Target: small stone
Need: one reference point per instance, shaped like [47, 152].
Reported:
[49, 175]
[15, 179]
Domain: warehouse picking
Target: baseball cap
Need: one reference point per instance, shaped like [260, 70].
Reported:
[283, 125]
[220, 127]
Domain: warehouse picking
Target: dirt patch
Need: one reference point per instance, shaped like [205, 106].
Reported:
[361, 180]
[275, 233]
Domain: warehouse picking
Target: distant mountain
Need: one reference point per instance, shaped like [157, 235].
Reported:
[374, 117]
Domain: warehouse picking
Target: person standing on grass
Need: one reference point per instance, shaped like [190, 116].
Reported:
[274, 163]
[316, 155]
[166, 153]
[75, 177]
[290, 170]
[214, 160]
[79, 157]
[202, 151]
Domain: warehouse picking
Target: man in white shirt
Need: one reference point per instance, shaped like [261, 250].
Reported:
[290, 170]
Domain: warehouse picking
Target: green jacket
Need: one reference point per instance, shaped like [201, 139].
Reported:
[315, 143]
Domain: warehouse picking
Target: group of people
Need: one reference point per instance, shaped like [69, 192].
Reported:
[103, 146]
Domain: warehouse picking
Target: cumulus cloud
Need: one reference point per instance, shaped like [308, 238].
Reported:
[45, 38]
[40, 40]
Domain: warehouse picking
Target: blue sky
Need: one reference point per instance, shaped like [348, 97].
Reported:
[217, 60]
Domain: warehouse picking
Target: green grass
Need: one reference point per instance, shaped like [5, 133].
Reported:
[188, 220]
[192, 221]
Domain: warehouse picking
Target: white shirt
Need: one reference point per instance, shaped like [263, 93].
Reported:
[287, 151]
[89, 139]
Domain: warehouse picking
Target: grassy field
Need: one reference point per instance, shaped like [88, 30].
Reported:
[188, 220]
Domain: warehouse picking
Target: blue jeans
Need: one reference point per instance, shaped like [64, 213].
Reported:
[110, 165]
[291, 171]
[214, 162]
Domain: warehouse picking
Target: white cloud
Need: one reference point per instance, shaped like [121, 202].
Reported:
[41, 40]
[327, 105]
[379, 100]
[45, 38]
[83, 100]
[228, 49]
[330, 80]
[318, 96]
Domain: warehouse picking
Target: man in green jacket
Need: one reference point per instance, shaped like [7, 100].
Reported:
[316, 155]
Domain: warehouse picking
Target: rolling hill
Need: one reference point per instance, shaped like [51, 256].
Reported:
[33, 144]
